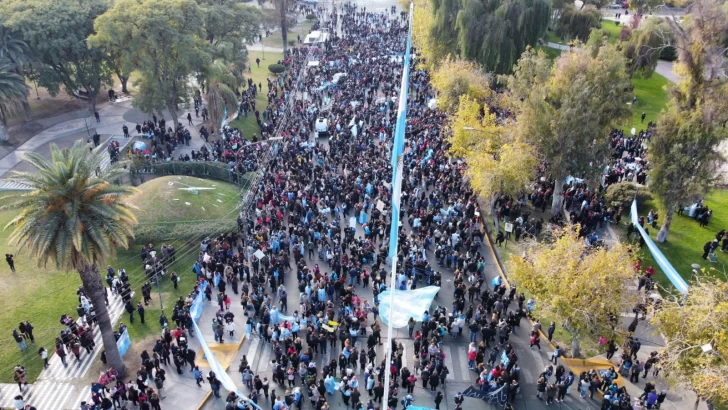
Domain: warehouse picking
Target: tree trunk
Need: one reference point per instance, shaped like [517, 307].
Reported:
[92, 104]
[284, 26]
[26, 109]
[26, 106]
[662, 235]
[493, 214]
[123, 80]
[557, 202]
[575, 351]
[94, 288]
[173, 112]
[4, 136]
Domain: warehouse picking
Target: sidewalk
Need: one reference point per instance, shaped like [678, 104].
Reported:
[112, 118]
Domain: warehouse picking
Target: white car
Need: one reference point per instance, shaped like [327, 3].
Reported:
[322, 127]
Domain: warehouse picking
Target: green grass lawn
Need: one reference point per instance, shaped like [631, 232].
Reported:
[651, 99]
[552, 37]
[275, 39]
[248, 126]
[684, 245]
[42, 295]
[551, 53]
[612, 29]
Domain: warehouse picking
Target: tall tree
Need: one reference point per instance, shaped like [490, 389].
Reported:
[431, 50]
[56, 32]
[684, 158]
[690, 324]
[582, 288]
[281, 7]
[568, 114]
[13, 91]
[697, 111]
[576, 24]
[229, 25]
[75, 219]
[15, 50]
[167, 47]
[645, 45]
[557, 9]
[491, 33]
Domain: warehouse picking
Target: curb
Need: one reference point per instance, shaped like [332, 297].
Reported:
[502, 273]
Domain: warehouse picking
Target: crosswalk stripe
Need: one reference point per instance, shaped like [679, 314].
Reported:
[463, 362]
[62, 399]
[252, 349]
[46, 395]
[83, 395]
[264, 362]
[448, 361]
[76, 369]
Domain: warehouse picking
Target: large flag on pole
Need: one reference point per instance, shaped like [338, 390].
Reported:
[398, 148]
[397, 168]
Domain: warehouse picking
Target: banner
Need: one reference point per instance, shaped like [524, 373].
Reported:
[661, 260]
[196, 308]
[408, 304]
[215, 366]
[123, 343]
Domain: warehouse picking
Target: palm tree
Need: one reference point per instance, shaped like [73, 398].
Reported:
[75, 218]
[281, 6]
[16, 50]
[219, 84]
[13, 90]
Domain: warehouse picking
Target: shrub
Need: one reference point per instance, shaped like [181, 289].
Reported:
[624, 33]
[310, 16]
[668, 53]
[276, 68]
[291, 42]
[165, 232]
[624, 192]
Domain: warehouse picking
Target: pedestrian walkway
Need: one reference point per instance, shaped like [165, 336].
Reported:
[43, 395]
[10, 185]
[78, 369]
[53, 389]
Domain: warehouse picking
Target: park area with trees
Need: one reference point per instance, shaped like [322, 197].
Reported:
[521, 111]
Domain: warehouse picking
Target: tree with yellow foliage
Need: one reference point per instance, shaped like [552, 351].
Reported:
[696, 339]
[584, 288]
[454, 78]
[498, 162]
[430, 50]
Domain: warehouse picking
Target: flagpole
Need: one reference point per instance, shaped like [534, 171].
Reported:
[397, 170]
